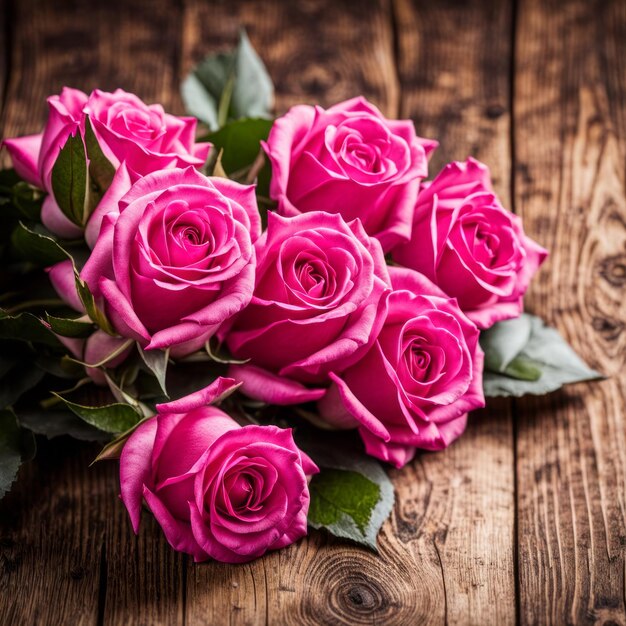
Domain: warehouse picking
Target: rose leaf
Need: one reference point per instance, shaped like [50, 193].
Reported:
[524, 356]
[351, 501]
[111, 418]
[77, 328]
[229, 85]
[156, 361]
[16, 446]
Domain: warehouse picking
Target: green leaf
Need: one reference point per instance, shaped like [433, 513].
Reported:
[93, 311]
[101, 170]
[22, 378]
[524, 356]
[37, 248]
[241, 142]
[26, 327]
[352, 496]
[53, 424]
[16, 446]
[69, 179]
[339, 493]
[156, 361]
[112, 418]
[229, 86]
[27, 200]
[113, 449]
[504, 341]
[70, 327]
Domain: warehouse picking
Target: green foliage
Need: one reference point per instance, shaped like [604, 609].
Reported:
[229, 86]
[16, 446]
[111, 418]
[352, 496]
[524, 356]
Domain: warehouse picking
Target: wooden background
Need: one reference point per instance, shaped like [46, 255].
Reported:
[523, 520]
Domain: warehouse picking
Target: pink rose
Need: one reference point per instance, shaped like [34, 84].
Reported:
[470, 246]
[414, 387]
[350, 160]
[127, 130]
[316, 306]
[218, 490]
[142, 135]
[174, 258]
[35, 155]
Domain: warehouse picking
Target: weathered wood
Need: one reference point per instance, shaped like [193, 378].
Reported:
[452, 531]
[570, 144]
[51, 540]
[70, 555]
[317, 51]
[456, 509]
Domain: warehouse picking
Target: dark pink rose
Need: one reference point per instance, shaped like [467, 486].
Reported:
[350, 160]
[217, 490]
[316, 305]
[143, 136]
[34, 156]
[470, 246]
[414, 387]
[174, 258]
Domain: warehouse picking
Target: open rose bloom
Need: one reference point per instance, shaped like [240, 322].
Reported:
[142, 136]
[217, 490]
[175, 269]
[470, 246]
[351, 160]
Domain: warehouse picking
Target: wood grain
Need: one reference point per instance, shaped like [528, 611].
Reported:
[51, 539]
[71, 556]
[570, 146]
[456, 509]
[317, 51]
[548, 488]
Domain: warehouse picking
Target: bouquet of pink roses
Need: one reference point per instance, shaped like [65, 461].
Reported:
[253, 320]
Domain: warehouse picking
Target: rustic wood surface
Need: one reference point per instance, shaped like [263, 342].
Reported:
[523, 520]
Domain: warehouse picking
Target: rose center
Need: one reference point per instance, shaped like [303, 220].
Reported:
[486, 245]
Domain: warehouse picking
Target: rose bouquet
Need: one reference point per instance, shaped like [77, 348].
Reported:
[253, 320]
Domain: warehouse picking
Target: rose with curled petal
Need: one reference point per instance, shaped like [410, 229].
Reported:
[349, 159]
[316, 306]
[470, 246]
[175, 259]
[127, 130]
[143, 135]
[218, 490]
[414, 387]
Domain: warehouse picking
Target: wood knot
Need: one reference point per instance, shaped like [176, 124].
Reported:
[494, 110]
[349, 588]
[364, 597]
[610, 329]
[613, 270]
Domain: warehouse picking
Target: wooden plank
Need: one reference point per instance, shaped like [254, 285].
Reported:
[570, 144]
[456, 509]
[51, 539]
[70, 555]
[452, 530]
[316, 52]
